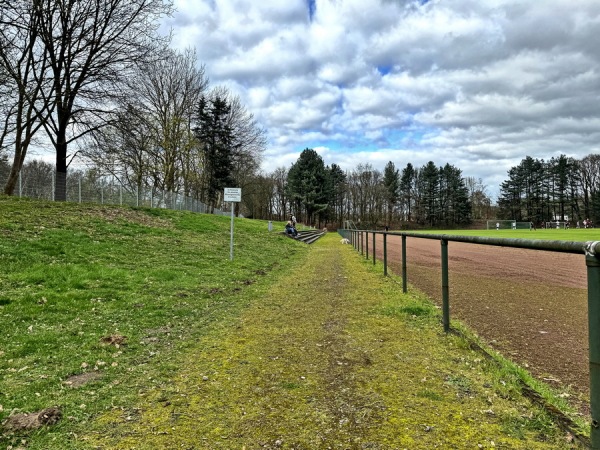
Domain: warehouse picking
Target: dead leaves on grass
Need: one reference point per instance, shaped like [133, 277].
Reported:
[114, 339]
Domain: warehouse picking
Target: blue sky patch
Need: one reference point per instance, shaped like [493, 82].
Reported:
[312, 8]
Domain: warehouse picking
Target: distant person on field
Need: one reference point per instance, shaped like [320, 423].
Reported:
[531, 225]
[497, 225]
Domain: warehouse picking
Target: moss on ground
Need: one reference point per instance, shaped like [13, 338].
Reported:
[333, 355]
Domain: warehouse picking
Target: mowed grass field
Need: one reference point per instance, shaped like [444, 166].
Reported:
[573, 234]
[138, 328]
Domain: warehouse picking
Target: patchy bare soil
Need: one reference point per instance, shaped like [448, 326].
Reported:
[530, 305]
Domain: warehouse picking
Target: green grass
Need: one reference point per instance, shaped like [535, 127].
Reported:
[72, 274]
[573, 234]
[285, 340]
[333, 358]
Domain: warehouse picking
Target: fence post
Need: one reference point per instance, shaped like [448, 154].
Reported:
[445, 289]
[374, 252]
[79, 189]
[101, 195]
[137, 196]
[362, 247]
[404, 280]
[53, 185]
[20, 184]
[367, 244]
[592, 261]
[385, 254]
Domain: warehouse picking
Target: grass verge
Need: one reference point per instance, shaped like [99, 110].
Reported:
[332, 356]
[136, 324]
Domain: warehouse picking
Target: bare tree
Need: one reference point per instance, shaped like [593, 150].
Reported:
[166, 93]
[281, 203]
[249, 142]
[89, 48]
[121, 149]
[480, 201]
[589, 171]
[366, 192]
[153, 138]
[21, 66]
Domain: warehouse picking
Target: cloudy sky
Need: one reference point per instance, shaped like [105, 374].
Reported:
[479, 84]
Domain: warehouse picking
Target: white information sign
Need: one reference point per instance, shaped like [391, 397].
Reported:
[232, 195]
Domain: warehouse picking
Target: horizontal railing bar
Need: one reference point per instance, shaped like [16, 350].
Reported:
[579, 247]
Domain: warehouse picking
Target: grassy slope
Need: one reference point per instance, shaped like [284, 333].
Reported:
[287, 345]
[72, 274]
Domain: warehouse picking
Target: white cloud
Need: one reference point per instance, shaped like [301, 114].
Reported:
[477, 83]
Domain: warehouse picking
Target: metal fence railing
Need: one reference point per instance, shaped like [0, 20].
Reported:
[108, 191]
[365, 241]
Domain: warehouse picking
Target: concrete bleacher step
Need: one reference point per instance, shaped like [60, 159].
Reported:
[308, 236]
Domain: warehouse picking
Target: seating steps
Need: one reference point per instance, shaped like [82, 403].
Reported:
[307, 236]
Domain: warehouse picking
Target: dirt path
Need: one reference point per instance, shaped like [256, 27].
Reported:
[530, 305]
[332, 356]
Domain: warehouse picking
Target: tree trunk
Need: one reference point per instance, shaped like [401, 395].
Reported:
[19, 158]
[13, 176]
[60, 190]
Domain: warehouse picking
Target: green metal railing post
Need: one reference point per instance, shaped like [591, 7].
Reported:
[361, 243]
[404, 280]
[367, 244]
[385, 254]
[592, 261]
[445, 287]
[374, 252]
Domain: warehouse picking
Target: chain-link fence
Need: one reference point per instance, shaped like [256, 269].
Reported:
[106, 191]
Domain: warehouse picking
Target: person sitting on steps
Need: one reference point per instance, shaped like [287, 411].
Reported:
[291, 229]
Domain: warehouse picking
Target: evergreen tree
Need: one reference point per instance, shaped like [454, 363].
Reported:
[391, 182]
[455, 207]
[407, 182]
[430, 187]
[307, 185]
[215, 136]
[336, 182]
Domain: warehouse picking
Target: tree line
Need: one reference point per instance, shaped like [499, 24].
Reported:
[319, 194]
[96, 80]
[561, 188]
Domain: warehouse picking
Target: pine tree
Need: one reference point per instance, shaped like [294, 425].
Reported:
[391, 182]
[216, 138]
[307, 184]
[430, 183]
[407, 182]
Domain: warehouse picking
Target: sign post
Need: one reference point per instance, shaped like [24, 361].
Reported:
[233, 195]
